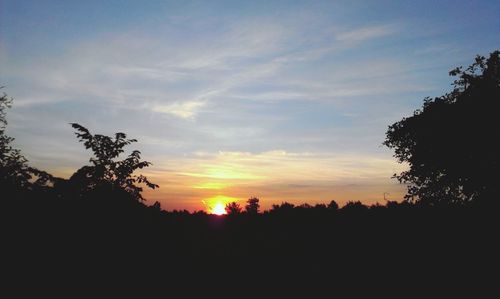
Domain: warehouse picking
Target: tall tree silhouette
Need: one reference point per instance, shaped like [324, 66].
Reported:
[252, 206]
[451, 144]
[107, 172]
[15, 173]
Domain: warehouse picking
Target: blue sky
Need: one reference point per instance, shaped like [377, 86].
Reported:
[285, 100]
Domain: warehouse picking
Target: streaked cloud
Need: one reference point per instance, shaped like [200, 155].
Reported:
[362, 34]
[186, 110]
[280, 175]
[286, 101]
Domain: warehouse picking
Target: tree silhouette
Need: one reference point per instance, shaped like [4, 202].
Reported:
[320, 206]
[284, 207]
[333, 205]
[106, 171]
[233, 208]
[355, 205]
[15, 173]
[252, 206]
[451, 144]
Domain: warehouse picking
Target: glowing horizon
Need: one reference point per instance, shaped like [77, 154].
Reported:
[284, 101]
[217, 204]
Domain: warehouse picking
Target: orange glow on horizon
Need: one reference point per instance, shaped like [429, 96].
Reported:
[200, 181]
[217, 205]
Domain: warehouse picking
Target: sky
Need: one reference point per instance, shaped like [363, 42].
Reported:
[281, 100]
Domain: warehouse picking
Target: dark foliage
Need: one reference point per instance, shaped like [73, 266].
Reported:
[252, 206]
[233, 208]
[107, 173]
[451, 144]
[333, 205]
[15, 173]
[354, 207]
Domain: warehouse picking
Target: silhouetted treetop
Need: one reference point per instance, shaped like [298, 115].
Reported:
[333, 205]
[354, 206]
[284, 207]
[451, 144]
[233, 208]
[104, 148]
[252, 206]
[105, 169]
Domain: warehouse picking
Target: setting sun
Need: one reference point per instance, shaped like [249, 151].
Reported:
[217, 205]
[219, 209]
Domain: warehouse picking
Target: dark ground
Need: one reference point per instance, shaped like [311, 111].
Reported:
[52, 245]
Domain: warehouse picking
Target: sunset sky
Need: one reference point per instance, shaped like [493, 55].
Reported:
[282, 100]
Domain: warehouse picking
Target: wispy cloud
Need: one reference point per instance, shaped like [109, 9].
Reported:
[186, 110]
[359, 35]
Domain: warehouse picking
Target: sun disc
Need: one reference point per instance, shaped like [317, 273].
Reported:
[219, 209]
